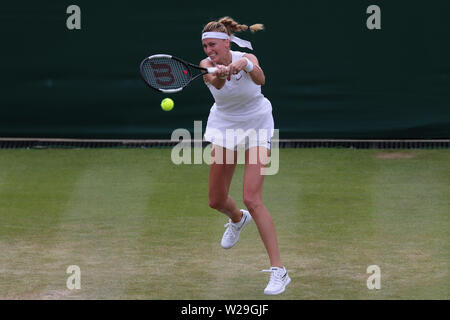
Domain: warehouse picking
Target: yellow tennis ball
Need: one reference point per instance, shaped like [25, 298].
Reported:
[167, 104]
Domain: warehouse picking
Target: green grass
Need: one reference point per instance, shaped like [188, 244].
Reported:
[139, 227]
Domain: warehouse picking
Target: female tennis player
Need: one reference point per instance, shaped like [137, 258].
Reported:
[239, 106]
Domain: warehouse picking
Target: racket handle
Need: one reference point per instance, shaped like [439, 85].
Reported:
[211, 70]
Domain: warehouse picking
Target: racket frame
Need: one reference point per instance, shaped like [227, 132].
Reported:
[187, 64]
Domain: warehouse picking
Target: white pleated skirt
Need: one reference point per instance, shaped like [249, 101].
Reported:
[233, 131]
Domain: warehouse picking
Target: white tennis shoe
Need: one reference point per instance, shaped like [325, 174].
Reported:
[231, 235]
[279, 279]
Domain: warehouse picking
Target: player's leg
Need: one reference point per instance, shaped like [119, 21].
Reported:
[256, 158]
[253, 185]
[220, 176]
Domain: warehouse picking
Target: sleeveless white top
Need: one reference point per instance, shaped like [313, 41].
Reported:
[240, 97]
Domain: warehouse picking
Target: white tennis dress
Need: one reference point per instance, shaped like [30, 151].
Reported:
[241, 115]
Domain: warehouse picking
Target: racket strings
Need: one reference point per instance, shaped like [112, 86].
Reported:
[165, 73]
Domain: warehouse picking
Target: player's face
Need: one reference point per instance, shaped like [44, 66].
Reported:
[216, 49]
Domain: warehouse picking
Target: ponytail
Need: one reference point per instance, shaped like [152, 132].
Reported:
[229, 25]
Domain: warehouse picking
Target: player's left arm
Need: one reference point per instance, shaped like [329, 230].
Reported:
[256, 74]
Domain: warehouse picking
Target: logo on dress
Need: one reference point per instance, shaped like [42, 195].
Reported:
[238, 75]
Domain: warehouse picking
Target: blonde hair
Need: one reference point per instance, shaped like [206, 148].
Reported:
[228, 26]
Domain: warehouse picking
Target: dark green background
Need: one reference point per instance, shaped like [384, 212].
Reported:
[328, 76]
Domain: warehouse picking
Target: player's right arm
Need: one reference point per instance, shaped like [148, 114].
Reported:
[218, 78]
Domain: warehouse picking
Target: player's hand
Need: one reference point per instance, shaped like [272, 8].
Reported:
[236, 67]
[221, 72]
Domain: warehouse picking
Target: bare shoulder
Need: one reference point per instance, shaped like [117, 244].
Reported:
[251, 57]
[206, 63]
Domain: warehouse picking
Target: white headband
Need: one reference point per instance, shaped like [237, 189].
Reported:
[221, 35]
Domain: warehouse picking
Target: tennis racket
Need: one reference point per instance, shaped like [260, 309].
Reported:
[169, 74]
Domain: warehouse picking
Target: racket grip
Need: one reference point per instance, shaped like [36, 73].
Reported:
[211, 70]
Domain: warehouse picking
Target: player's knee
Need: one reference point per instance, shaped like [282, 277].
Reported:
[217, 202]
[252, 202]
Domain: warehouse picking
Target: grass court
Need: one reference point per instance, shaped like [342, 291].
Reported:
[139, 226]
